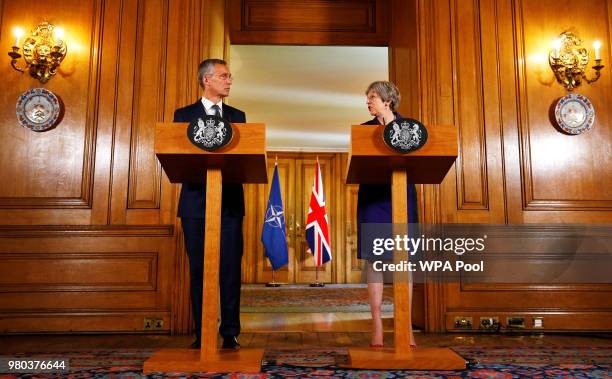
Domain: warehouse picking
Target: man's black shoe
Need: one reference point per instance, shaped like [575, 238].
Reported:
[195, 344]
[230, 343]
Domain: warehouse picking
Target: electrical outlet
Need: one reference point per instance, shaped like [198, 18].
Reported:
[148, 323]
[489, 323]
[158, 323]
[463, 322]
[515, 323]
[538, 322]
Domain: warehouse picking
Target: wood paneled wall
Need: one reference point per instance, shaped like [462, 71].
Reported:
[89, 240]
[309, 22]
[485, 70]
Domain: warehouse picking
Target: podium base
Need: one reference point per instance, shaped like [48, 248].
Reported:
[415, 359]
[189, 360]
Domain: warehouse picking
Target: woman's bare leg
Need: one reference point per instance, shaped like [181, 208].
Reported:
[375, 292]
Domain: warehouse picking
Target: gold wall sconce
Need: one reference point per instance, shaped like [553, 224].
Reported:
[43, 51]
[569, 59]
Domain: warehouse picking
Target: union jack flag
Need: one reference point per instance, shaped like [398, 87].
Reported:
[317, 226]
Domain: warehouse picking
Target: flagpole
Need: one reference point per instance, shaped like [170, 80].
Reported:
[273, 283]
[317, 283]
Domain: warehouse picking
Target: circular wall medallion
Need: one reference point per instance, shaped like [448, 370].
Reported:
[405, 135]
[574, 113]
[210, 133]
[38, 109]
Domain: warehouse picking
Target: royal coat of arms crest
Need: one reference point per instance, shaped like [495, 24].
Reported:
[210, 133]
[405, 135]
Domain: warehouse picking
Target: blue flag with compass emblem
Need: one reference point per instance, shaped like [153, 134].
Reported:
[273, 231]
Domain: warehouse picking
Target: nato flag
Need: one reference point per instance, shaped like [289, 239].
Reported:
[273, 231]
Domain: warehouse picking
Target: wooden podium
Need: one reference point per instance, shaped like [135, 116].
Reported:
[243, 160]
[371, 161]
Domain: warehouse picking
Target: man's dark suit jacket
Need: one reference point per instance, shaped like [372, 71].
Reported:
[192, 202]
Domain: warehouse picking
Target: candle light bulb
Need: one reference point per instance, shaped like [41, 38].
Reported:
[59, 33]
[18, 33]
[556, 46]
[597, 47]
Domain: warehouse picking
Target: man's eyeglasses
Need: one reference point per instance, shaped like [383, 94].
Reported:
[225, 77]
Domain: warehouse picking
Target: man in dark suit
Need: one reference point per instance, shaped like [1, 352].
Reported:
[215, 79]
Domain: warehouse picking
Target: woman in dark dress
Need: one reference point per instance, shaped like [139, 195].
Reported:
[374, 203]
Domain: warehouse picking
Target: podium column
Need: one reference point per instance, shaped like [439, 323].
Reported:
[402, 285]
[212, 247]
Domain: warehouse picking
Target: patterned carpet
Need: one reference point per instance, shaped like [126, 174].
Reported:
[486, 362]
[331, 299]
